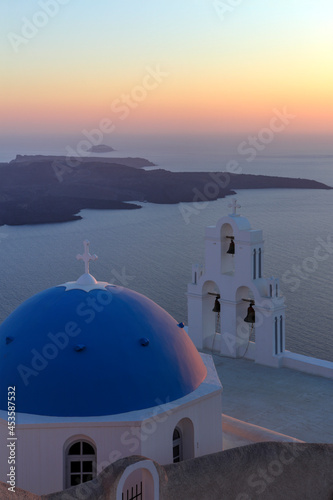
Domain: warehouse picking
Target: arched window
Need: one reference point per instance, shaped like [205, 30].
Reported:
[177, 445]
[260, 264]
[276, 336]
[80, 463]
[281, 334]
[254, 264]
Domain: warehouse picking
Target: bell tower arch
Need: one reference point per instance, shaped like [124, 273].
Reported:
[227, 249]
[250, 309]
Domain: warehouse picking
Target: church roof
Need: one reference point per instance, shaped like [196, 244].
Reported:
[90, 348]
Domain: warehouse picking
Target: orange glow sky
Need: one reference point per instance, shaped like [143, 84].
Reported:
[226, 71]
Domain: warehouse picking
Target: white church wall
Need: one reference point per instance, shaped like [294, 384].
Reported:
[203, 408]
[307, 364]
[195, 320]
[39, 460]
[250, 352]
[205, 415]
[51, 440]
[145, 432]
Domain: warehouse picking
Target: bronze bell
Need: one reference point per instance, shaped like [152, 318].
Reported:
[217, 306]
[231, 248]
[251, 315]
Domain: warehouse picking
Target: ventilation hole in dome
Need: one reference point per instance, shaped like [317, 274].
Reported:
[144, 342]
[9, 340]
[79, 347]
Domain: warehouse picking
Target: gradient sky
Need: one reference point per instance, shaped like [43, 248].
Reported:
[226, 72]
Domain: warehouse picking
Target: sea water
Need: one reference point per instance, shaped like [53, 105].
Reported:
[151, 250]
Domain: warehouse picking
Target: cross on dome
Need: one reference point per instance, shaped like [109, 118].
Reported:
[86, 256]
[234, 206]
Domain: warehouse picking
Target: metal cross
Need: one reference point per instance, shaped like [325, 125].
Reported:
[86, 256]
[234, 206]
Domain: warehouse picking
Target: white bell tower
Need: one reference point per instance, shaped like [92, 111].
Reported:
[232, 281]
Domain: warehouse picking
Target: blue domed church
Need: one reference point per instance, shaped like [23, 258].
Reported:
[97, 372]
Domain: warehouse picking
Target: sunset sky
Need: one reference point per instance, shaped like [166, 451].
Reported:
[196, 66]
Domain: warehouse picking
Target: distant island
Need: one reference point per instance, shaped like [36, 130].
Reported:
[100, 148]
[45, 189]
[76, 161]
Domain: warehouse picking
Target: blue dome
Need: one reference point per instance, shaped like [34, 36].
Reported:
[74, 353]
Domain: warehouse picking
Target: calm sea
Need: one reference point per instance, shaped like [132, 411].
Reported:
[151, 250]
